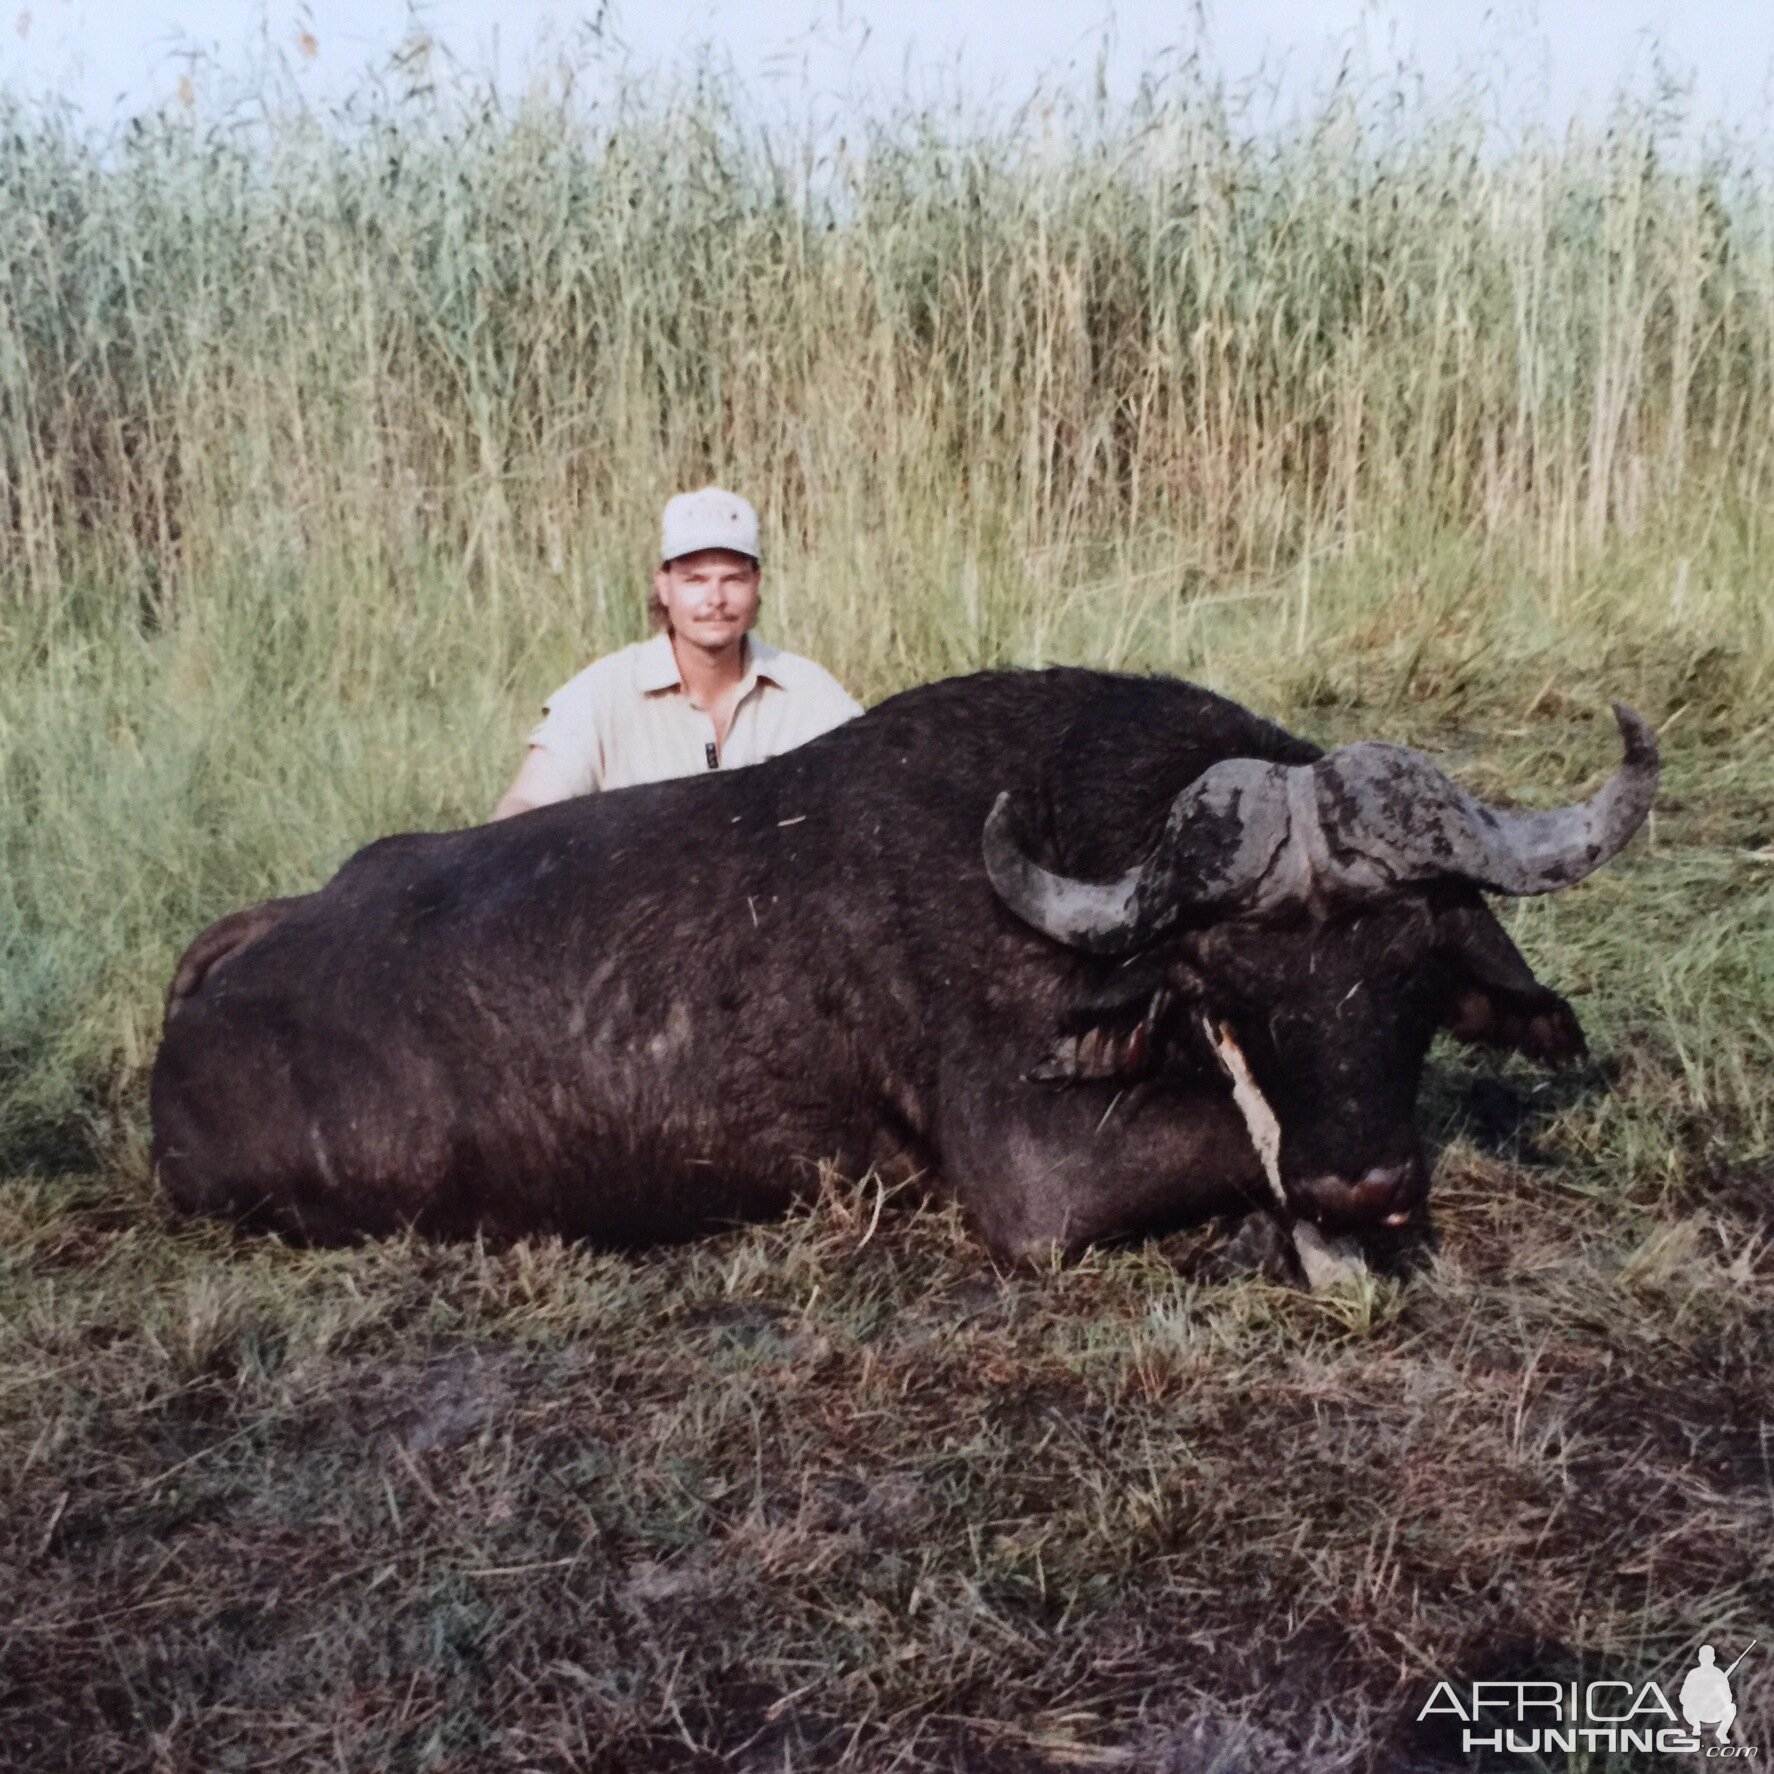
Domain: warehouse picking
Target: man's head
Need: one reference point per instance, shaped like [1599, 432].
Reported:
[705, 589]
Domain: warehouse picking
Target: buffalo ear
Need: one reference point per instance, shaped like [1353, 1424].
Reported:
[1116, 1032]
[1102, 1050]
[1495, 1000]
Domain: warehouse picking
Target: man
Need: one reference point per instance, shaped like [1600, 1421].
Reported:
[701, 694]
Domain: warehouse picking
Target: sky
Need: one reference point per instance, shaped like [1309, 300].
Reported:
[1550, 60]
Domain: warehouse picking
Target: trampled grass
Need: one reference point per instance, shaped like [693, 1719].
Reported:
[328, 451]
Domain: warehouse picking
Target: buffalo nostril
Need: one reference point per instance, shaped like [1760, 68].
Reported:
[1384, 1195]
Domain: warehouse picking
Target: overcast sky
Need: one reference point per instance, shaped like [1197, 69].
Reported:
[1560, 57]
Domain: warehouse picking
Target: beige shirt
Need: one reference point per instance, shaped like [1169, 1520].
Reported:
[627, 718]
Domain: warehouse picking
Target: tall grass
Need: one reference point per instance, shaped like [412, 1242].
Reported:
[328, 445]
[501, 332]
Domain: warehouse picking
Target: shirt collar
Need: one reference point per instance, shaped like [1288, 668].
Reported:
[656, 666]
[764, 661]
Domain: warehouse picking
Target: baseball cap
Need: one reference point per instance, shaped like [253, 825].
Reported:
[711, 517]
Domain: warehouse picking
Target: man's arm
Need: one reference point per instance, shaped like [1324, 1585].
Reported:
[541, 780]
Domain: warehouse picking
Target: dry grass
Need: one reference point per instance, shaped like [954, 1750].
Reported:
[798, 1497]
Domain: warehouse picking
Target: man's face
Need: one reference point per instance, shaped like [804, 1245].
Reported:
[710, 598]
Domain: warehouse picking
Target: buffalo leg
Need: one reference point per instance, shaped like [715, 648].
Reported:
[1042, 1172]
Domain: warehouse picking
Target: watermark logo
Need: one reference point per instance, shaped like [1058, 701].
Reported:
[1539, 1718]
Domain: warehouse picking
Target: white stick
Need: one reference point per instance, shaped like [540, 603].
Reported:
[1327, 1262]
[1259, 1118]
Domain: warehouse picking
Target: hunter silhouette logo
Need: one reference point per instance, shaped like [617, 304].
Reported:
[1706, 1694]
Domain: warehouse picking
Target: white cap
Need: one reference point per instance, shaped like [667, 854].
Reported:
[708, 518]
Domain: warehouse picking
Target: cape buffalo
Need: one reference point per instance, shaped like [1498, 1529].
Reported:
[1018, 935]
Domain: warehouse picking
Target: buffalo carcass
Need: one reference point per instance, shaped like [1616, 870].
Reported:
[1015, 934]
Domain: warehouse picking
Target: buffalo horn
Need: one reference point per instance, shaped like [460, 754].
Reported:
[1222, 842]
[1249, 837]
[1389, 817]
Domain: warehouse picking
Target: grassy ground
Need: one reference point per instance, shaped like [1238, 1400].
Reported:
[793, 1499]
[304, 523]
